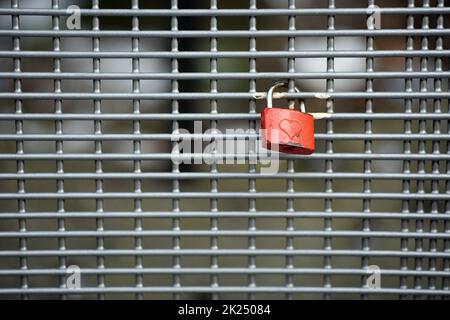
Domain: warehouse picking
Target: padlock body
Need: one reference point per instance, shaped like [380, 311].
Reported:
[288, 131]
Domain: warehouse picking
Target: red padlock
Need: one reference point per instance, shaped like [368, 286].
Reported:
[287, 130]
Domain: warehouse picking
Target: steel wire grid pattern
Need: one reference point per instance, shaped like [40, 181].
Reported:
[89, 118]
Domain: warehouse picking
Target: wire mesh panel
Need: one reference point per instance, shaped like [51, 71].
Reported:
[98, 202]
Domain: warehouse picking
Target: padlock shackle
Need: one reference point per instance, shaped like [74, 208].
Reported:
[285, 85]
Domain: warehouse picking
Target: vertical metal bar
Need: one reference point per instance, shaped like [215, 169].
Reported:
[213, 169]
[175, 165]
[367, 163]
[20, 150]
[98, 149]
[290, 163]
[251, 165]
[328, 222]
[407, 129]
[436, 149]
[446, 261]
[137, 150]
[59, 148]
[422, 150]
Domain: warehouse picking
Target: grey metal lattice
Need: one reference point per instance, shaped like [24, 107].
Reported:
[89, 118]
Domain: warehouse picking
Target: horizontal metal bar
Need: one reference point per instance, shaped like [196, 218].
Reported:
[221, 270]
[140, 116]
[225, 33]
[220, 76]
[223, 54]
[224, 214]
[225, 12]
[224, 195]
[211, 136]
[212, 116]
[221, 175]
[225, 252]
[222, 95]
[223, 289]
[224, 233]
[216, 157]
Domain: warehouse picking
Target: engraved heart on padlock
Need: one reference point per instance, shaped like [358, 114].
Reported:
[292, 128]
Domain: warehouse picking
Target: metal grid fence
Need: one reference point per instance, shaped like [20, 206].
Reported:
[87, 124]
